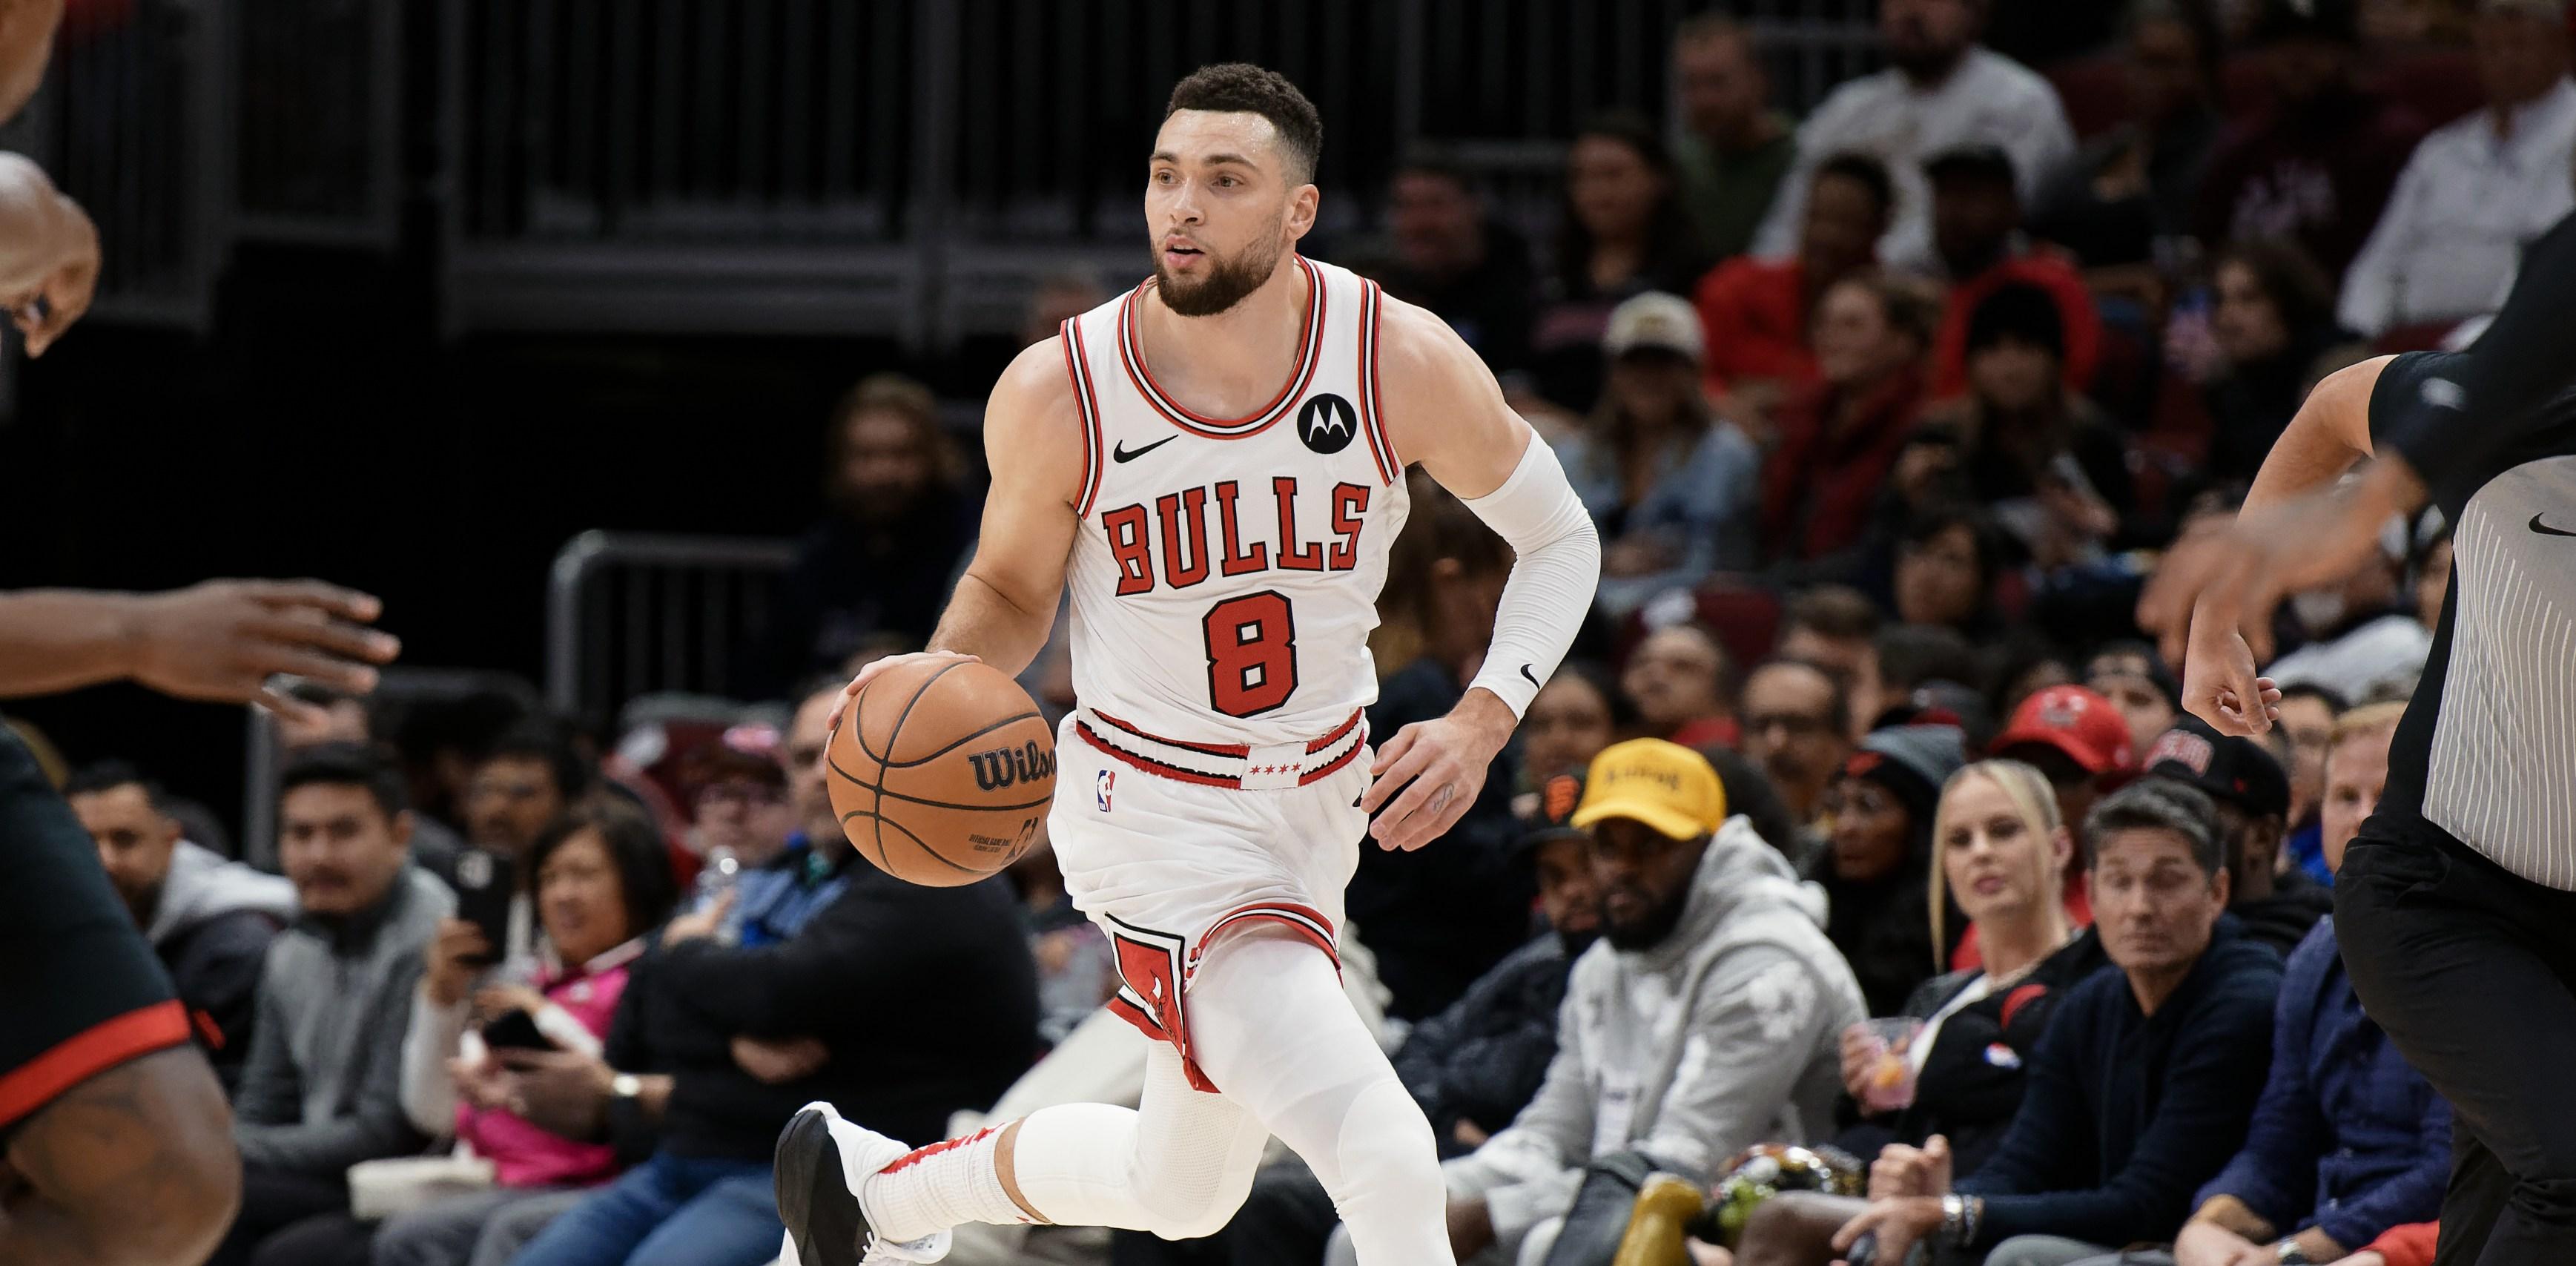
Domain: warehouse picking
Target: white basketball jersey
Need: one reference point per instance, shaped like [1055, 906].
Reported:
[1226, 574]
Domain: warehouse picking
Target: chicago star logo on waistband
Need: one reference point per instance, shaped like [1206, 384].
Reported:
[1326, 423]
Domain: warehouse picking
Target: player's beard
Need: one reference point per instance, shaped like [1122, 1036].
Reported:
[1229, 278]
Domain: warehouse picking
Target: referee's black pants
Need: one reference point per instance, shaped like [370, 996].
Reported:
[2471, 970]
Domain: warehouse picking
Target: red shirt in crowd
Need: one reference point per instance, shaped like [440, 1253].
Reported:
[2044, 268]
[1818, 486]
[2408, 1245]
[1755, 313]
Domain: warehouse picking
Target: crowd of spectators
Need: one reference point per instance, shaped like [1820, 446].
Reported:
[1860, 777]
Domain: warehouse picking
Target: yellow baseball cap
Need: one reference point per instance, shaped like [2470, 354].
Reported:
[1664, 785]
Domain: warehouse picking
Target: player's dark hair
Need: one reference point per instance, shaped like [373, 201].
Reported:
[1243, 88]
[108, 775]
[635, 851]
[547, 740]
[345, 765]
[1863, 170]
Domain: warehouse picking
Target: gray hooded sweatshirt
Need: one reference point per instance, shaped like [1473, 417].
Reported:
[204, 885]
[1724, 1035]
[323, 1089]
[211, 928]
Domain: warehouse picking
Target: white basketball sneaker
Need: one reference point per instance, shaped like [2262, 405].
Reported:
[821, 1160]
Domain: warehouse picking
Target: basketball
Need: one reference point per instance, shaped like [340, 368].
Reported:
[941, 772]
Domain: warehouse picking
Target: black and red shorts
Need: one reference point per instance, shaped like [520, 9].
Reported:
[80, 990]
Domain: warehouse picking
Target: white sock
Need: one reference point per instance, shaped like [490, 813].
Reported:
[940, 1186]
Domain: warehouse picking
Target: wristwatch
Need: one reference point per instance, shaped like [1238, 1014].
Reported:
[2291, 1254]
[628, 1086]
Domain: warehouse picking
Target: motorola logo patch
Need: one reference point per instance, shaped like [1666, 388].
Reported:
[1327, 423]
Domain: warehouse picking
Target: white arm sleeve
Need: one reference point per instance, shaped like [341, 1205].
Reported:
[435, 1035]
[1555, 567]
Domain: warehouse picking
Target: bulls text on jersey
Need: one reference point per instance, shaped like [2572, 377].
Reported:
[1173, 542]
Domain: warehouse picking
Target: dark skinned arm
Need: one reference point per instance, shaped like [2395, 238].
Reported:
[133, 1167]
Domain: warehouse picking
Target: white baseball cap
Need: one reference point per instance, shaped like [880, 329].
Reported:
[1656, 321]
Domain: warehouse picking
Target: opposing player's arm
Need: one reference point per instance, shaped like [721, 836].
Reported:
[133, 1167]
[48, 250]
[219, 641]
[1443, 409]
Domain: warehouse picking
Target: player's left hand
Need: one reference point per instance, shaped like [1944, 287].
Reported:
[1438, 766]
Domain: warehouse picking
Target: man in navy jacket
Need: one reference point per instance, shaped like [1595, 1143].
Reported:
[2138, 1093]
[2347, 1140]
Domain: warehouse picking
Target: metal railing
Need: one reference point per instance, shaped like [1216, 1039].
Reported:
[398, 688]
[792, 165]
[901, 168]
[631, 613]
[319, 88]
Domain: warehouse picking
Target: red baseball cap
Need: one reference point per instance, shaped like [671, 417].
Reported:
[2074, 720]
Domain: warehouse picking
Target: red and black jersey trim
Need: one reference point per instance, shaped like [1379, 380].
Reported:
[88, 1053]
[1236, 750]
[1305, 921]
[1380, 451]
[1153, 766]
[1131, 353]
[1077, 364]
[1210, 764]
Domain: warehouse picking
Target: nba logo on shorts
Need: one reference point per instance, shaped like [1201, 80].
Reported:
[1101, 785]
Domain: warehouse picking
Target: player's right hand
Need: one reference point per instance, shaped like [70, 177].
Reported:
[221, 641]
[888, 664]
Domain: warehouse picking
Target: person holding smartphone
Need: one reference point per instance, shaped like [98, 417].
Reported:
[601, 882]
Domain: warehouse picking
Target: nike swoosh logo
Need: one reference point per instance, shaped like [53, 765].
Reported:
[1119, 452]
[2546, 530]
[1525, 671]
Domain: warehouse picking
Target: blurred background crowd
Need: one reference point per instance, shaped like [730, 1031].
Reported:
[1886, 344]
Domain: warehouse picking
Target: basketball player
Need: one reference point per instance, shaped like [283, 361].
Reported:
[2456, 905]
[118, 1144]
[1215, 462]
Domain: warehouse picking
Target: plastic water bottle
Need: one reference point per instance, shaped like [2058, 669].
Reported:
[721, 874]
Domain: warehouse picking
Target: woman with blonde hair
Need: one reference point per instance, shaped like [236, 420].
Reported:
[2002, 856]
